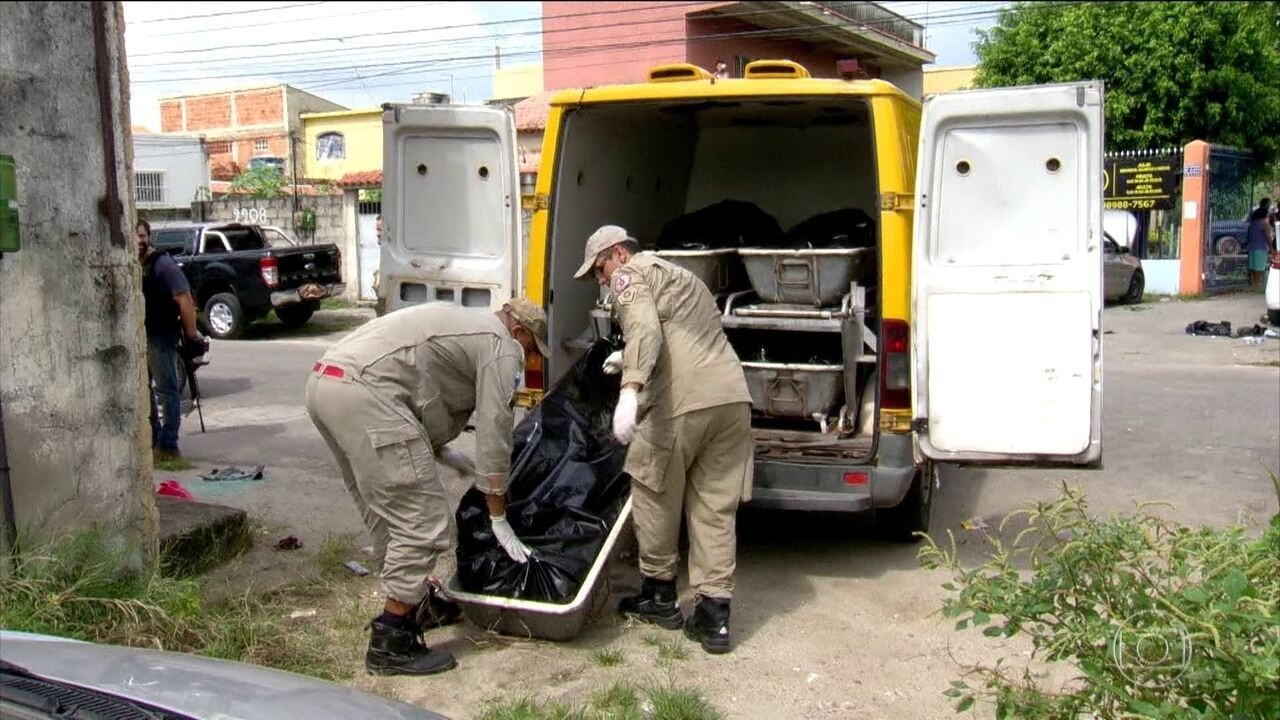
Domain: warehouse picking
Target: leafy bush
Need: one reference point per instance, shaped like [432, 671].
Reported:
[1159, 620]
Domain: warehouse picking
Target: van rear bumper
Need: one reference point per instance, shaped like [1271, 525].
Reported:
[814, 486]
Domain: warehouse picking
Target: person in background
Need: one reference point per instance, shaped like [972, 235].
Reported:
[170, 317]
[387, 399]
[1261, 243]
[690, 451]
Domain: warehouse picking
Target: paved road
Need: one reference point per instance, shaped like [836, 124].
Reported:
[829, 622]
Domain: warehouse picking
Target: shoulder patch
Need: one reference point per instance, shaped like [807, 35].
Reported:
[627, 296]
[621, 281]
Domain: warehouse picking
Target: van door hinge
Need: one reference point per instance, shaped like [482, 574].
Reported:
[541, 201]
[920, 426]
[897, 201]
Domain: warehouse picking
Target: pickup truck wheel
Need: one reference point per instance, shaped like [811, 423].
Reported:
[912, 515]
[1137, 284]
[225, 317]
[296, 314]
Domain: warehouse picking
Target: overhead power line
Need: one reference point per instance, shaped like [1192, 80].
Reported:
[228, 12]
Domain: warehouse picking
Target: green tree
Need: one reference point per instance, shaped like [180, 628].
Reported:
[1174, 71]
[261, 182]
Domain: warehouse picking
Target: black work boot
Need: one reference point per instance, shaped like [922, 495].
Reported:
[396, 650]
[655, 603]
[434, 611]
[709, 624]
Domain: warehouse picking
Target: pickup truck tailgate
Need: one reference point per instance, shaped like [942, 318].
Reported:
[319, 264]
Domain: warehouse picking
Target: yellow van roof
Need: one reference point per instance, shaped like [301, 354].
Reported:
[697, 89]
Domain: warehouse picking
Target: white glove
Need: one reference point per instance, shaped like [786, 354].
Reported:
[613, 363]
[624, 416]
[506, 537]
[458, 461]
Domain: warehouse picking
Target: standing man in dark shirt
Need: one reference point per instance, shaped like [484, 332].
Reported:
[171, 314]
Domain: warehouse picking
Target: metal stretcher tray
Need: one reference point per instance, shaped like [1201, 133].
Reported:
[547, 621]
[805, 277]
[794, 390]
[720, 270]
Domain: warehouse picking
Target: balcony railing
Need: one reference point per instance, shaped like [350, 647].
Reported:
[878, 18]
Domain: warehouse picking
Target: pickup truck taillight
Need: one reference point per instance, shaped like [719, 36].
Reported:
[533, 379]
[270, 270]
[895, 366]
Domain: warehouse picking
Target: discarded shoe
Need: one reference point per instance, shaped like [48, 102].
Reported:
[709, 625]
[398, 651]
[233, 473]
[655, 604]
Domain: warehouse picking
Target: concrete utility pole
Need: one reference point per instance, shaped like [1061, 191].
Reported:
[73, 373]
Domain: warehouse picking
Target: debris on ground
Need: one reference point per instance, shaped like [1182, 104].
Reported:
[173, 488]
[1250, 332]
[356, 568]
[298, 614]
[233, 473]
[289, 543]
[975, 523]
[1222, 328]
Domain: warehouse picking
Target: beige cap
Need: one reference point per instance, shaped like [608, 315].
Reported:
[532, 317]
[600, 240]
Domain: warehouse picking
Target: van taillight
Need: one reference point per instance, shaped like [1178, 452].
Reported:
[895, 366]
[533, 372]
[270, 271]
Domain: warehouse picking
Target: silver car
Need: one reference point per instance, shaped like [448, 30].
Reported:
[42, 676]
[1122, 277]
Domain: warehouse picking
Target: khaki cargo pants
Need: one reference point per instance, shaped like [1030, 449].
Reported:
[704, 476]
[389, 468]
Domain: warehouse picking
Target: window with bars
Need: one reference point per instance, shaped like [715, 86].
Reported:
[148, 187]
[261, 145]
[219, 147]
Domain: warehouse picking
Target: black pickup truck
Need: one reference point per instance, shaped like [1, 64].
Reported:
[238, 274]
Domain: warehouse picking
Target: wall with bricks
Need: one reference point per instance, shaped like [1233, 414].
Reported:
[260, 107]
[208, 113]
[170, 116]
[332, 225]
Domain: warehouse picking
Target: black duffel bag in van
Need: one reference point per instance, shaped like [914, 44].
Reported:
[726, 224]
[847, 228]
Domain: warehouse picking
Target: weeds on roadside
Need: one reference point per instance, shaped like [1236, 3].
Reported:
[1159, 620]
[177, 464]
[607, 656]
[75, 588]
[335, 550]
[669, 649]
[618, 701]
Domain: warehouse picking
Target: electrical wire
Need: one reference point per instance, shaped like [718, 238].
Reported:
[228, 12]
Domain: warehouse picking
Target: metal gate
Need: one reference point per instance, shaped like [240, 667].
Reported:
[1231, 176]
[370, 256]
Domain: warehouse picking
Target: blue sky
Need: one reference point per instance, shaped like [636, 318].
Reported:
[361, 54]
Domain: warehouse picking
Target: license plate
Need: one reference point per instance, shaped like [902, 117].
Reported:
[312, 291]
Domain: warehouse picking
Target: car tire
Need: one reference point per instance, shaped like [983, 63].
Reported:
[225, 317]
[901, 522]
[1137, 285]
[295, 315]
[1229, 245]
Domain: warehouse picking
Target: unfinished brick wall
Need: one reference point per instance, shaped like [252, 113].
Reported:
[260, 107]
[209, 112]
[171, 116]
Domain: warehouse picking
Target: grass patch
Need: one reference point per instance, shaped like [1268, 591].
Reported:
[669, 649]
[335, 550]
[75, 588]
[619, 701]
[173, 465]
[607, 657]
[333, 303]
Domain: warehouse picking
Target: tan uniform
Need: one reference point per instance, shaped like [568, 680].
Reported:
[692, 448]
[388, 397]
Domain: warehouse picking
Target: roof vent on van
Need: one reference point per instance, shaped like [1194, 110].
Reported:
[775, 70]
[677, 72]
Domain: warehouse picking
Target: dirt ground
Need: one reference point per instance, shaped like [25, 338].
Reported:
[828, 621]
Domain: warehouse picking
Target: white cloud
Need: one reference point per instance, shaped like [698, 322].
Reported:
[359, 54]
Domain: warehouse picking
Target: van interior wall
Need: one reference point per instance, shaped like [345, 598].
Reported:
[792, 173]
[643, 165]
